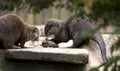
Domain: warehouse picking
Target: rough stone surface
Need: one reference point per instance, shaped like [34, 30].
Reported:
[95, 58]
[77, 56]
[35, 64]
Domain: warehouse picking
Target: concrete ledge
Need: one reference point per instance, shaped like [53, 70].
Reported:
[67, 55]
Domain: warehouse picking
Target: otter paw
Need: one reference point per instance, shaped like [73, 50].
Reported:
[48, 43]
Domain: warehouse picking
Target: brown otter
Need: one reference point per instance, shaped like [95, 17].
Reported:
[74, 29]
[14, 31]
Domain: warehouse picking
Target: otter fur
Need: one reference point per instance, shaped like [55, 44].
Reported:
[14, 31]
[74, 28]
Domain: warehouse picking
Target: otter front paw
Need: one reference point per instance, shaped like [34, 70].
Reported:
[48, 43]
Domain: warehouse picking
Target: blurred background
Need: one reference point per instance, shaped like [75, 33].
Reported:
[35, 11]
[105, 13]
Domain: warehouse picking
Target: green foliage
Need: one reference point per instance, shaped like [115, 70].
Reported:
[111, 63]
[32, 5]
[9, 4]
[86, 33]
[108, 10]
[115, 46]
[76, 6]
[38, 5]
[94, 69]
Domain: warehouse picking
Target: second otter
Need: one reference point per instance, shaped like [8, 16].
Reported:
[74, 29]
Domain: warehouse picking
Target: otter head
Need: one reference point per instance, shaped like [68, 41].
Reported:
[34, 33]
[53, 27]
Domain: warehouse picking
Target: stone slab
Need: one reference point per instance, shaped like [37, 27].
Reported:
[67, 55]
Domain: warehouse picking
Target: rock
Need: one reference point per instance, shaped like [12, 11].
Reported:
[77, 56]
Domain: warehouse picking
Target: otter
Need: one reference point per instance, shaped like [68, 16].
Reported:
[74, 28]
[15, 32]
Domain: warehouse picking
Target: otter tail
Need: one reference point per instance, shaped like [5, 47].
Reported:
[97, 38]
